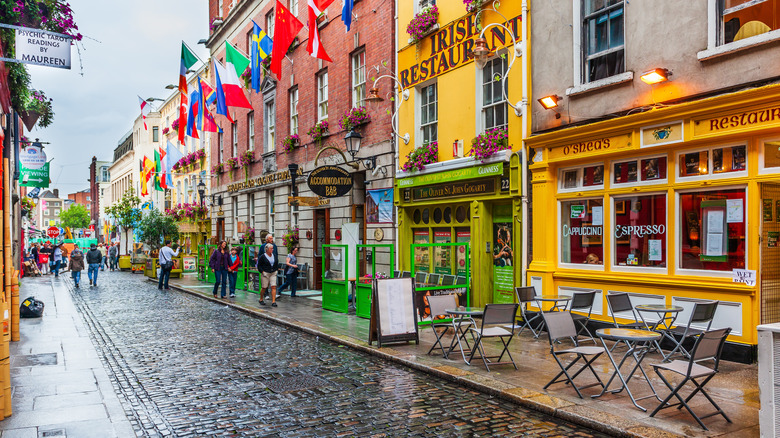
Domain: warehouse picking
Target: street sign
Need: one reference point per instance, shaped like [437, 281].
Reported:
[53, 232]
[34, 177]
[330, 181]
[32, 157]
[34, 192]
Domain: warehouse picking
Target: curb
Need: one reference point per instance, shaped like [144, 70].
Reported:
[540, 402]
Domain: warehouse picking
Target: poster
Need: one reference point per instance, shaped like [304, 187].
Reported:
[379, 206]
[189, 264]
[421, 257]
[654, 251]
[746, 276]
[460, 255]
[734, 211]
[503, 255]
[442, 255]
[771, 241]
[767, 209]
[598, 216]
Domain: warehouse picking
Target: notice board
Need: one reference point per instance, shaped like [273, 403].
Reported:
[393, 311]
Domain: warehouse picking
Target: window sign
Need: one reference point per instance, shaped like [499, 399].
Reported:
[653, 168]
[729, 159]
[581, 236]
[421, 258]
[503, 255]
[694, 163]
[640, 231]
[462, 235]
[712, 230]
[442, 261]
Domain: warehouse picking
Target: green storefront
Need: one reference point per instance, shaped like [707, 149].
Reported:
[468, 202]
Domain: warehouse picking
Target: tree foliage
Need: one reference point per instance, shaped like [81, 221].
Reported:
[126, 211]
[76, 216]
[156, 227]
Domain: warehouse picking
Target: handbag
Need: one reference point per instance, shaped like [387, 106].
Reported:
[168, 265]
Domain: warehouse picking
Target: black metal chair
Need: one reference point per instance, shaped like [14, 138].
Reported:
[447, 280]
[582, 302]
[561, 325]
[495, 315]
[406, 274]
[439, 304]
[525, 295]
[396, 274]
[703, 313]
[420, 278]
[460, 280]
[708, 346]
[620, 302]
[433, 280]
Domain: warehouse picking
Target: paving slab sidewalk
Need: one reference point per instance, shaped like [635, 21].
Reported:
[59, 385]
[735, 388]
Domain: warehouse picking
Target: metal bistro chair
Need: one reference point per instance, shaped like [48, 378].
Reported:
[494, 316]
[406, 274]
[582, 302]
[621, 302]
[525, 295]
[439, 305]
[433, 280]
[420, 278]
[396, 274]
[703, 313]
[460, 280]
[448, 280]
[708, 346]
[561, 325]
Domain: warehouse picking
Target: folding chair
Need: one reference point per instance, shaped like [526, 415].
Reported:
[433, 280]
[439, 305]
[708, 346]
[396, 274]
[494, 316]
[406, 274]
[582, 302]
[561, 325]
[420, 278]
[460, 280]
[703, 313]
[447, 280]
[525, 295]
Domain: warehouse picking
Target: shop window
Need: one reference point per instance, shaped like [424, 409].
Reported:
[603, 39]
[417, 216]
[640, 231]
[426, 215]
[651, 169]
[712, 230]
[421, 255]
[772, 154]
[447, 215]
[593, 176]
[590, 177]
[728, 159]
[461, 213]
[725, 160]
[582, 229]
[437, 215]
[740, 19]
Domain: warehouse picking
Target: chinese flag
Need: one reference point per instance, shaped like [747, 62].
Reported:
[286, 27]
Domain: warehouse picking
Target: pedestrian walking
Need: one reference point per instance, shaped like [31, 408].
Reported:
[76, 264]
[35, 253]
[57, 260]
[93, 261]
[104, 253]
[291, 272]
[219, 266]
[269, 240]
[234, 264]
[113, 254]
[268, 265]
[45, 256]
[166, 263]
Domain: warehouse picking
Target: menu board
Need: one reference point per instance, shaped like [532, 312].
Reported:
[393, 313]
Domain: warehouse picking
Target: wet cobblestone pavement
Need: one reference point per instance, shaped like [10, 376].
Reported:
[183, 366]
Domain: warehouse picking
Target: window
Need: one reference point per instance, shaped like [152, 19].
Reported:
[155, 133]
[271, 211]
[269, 24]
[771, 156]
[105, 176]
[89, 206]
[422, 4]
[250, 126]
[494, 108]
[251, 211]
[294, 7]
[645, 170]
[234, 132]
[220, 7]
[586, 177]
[235, 215]
[712, 230]
[429, 116]
[640, 231]
[220, 151]
[603, 39]
[359, 78]
[740, 19]
[294, 111]
[178, 192]
[582, 229]
[56, 212]
[88, 199]
[322, 96]
[722, 160]
[270, 126]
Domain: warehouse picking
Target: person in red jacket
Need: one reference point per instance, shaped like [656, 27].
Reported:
[234, 264]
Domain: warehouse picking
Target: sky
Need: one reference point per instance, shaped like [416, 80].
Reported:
[130, 48]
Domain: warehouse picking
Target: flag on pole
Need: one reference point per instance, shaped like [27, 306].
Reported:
[229, 92]
[204, 120]
[147, 168]
[172, 156]
[195, 104]
[145, 108]
[346, 12]
[286, 27]
[162, 171]
[314, 46]
[210, 96]
[262, 45]
[158, 170]
[188, 59]
[235, 59]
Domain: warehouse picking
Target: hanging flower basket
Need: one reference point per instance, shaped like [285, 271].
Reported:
[487, 144]
[231, 164]
[418, 158]
[354, 117]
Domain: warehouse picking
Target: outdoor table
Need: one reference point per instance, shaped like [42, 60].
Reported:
[639, 342]
[666, 317]
[459, 316]
[555, 299]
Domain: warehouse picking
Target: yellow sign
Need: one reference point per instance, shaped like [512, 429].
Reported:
[661, 135]
[262, 180]
[587, 148]
[767, 117]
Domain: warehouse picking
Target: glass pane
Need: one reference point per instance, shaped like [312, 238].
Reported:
[593, 176]
[640, 231]
[426, 215]
[694, 163]
[421, 256]
[772, 154]
[582, 231]
[730, 159]
[625, 172]
[712, 230]
[616, 28]
[744, 18]
[653, 168]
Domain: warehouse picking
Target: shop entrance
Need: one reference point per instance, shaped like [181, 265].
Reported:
[321, 237]
[770, 253]
[220, 230]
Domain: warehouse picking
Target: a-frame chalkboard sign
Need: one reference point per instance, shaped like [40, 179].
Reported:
[393, 311]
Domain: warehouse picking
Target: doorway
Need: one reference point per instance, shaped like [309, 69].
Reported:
[220, 230]
[321, 237]
[770, 253]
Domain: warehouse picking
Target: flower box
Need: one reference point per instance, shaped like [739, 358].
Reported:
[423, 24]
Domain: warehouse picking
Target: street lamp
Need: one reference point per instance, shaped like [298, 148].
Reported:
[353, 140]
[152, 99]
[293, 168]
[373, 96]
[201, 191]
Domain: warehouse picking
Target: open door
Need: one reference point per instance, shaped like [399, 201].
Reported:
[321, 237]
[770, 253]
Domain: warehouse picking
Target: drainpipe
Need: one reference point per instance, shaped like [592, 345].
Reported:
[523, 151]
[394, 145]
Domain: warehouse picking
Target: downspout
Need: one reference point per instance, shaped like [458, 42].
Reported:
[523, 150]
[394, 145]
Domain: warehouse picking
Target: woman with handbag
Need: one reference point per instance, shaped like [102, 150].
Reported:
[218, 263]
[291, 272]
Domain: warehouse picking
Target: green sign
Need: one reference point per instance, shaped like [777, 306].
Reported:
[452, 175]
[481, 187]
[34, 177]
[578, 212]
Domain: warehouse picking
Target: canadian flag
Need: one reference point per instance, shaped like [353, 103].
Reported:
[314, 47]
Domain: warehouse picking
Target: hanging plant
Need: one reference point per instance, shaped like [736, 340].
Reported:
[39, 104]
[290, 143]
[175, 125]
[354, 117]
[246, 158]
[418, 158]
[422, 23]
[290, 238]
[246, 76]
[249, 236]
[217, 168]
[319, 131]
[166, 131]
[487, 144]
[475, 5]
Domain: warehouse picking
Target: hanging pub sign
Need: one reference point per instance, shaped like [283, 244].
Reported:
[40, 47]
[32, 157]
[330, 181]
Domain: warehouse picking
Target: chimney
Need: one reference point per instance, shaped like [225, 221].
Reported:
[56, 193]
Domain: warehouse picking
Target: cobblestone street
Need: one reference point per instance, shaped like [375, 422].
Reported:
[188, 367]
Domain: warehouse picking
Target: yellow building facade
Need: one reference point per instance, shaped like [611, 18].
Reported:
[674, 205]
[451, 101]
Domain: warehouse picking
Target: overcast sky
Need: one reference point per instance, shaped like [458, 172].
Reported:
[130, 49]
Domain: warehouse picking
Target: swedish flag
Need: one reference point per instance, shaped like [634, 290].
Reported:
[262, 45]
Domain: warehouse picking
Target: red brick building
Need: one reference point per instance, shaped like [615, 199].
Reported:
[82, 198]
[309, 91]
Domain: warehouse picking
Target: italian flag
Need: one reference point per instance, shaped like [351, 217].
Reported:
[188, 59]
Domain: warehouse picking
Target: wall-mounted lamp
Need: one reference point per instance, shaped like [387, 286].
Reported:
[352, 141]
[152, 99]
[171, 87]
[373, 96]
[550, 102]
[655, 76]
